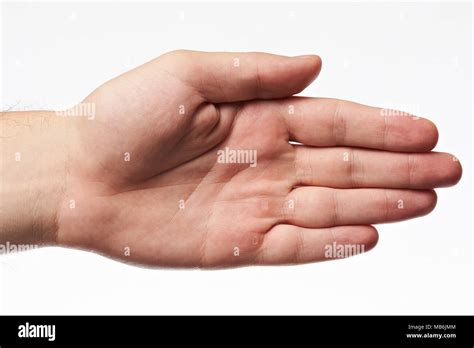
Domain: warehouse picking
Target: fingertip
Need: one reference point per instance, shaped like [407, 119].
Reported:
[445, 171]
[363, 235]
[453, 171]
[424, 135]
[314, 59]
[427, 200]
[372, 238]
[431, 134]
[317, 66]
[314, 65]
[408, 133]
[435, 169]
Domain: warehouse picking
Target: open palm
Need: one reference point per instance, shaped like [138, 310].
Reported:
[206, 160]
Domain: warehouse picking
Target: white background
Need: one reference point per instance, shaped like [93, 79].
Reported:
[414, 56]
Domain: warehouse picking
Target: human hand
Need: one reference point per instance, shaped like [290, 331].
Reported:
[149, 179]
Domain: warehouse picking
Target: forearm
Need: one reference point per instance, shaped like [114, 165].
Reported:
[32, 175]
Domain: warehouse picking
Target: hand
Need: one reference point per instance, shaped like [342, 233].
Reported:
[151, 178]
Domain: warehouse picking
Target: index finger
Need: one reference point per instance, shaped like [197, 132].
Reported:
[333, 122]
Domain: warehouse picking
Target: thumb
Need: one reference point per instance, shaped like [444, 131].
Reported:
[229, 77]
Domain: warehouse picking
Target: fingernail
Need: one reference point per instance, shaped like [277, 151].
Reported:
[305, 56]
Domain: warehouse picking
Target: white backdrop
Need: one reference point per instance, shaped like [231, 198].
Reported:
[414, 56]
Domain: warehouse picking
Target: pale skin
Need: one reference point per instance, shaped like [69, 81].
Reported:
[140, 182]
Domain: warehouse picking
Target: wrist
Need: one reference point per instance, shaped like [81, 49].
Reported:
[34, 148]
